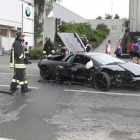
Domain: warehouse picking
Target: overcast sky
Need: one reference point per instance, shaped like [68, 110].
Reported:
[91, 9]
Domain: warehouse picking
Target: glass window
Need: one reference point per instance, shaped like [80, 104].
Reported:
[69, 58]
[105, 59]
[114, 27]
[81, 59]
[13, 33]
[3, 32]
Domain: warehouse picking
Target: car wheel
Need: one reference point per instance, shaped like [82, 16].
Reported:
[45, 72]
[102, 81]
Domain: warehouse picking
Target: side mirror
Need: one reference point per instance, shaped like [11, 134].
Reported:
[89, 64]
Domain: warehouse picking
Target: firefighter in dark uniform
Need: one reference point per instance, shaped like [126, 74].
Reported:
[48, 50]
[85, 42]
[17, 62]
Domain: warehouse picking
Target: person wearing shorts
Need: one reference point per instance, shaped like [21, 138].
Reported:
[131, 50]
[136, 48]
[107, 47]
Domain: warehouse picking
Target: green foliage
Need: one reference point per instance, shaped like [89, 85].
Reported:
[36, 53]
[99, 17]
[126, 23]
[116, 16]
[94, 36]
[127, 29]
[41, 5]
[108, 16]
[102, 26]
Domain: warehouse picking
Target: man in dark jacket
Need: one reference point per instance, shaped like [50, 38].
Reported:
[48, 48]
[85, 42]
[17, 62]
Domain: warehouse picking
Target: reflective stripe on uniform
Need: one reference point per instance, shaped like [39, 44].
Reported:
[44, 52]
[22, 66]
[49, 55]
[13, 55]
[21, 56]
[53, 51]
[14, 80]
[23, 82]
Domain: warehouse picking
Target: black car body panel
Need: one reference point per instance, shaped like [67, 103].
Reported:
[74, 68]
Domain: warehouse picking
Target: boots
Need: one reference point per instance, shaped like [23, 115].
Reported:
[13, 87]
[24, 89]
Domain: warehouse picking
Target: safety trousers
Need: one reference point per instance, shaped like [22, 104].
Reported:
[18, 78]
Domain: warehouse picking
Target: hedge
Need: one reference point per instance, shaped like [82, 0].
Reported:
[36, 53]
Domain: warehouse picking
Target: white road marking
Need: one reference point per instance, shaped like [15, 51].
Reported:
[5, 139]
[5, 66]
[18, 86]
[98, 92]
[9, 67]
[26, 74]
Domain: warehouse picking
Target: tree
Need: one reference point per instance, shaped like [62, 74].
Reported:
[40, 6]
[126, 23]
[99, 17]
[116, 16]
[108, 16]
[102, 26]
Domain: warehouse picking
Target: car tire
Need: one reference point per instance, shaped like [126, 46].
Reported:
[45, 72]
[102, 81]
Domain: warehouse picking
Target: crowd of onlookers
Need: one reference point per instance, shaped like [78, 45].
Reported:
[134, 50]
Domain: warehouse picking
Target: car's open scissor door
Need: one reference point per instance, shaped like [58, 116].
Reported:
[72, 42]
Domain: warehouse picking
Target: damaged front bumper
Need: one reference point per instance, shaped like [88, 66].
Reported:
[136, 82]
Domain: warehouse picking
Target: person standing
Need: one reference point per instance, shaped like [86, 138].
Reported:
[48, 49]
[86, 44]
[131, 50]
[118, 50]
[107, 47]
[17, 62]
[23, 44]
[136, 48]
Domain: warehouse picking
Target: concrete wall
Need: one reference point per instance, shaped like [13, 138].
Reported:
[115, 25]
[134, 15]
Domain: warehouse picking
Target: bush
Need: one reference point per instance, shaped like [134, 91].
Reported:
[36, 53]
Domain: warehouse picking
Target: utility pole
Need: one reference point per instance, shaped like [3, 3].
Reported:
[44, 16]
[112, 9]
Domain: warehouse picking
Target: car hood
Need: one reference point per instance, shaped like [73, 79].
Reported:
[132, 67]
[72, 42]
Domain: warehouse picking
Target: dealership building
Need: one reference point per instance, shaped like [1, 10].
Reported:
[16, 15]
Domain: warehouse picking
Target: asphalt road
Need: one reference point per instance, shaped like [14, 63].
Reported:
[66, 112]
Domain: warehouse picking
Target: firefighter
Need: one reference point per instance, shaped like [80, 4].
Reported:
[17, 62]
[85, 42]
[48, 50]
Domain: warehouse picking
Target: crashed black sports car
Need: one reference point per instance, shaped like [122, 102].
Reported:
[95, 69]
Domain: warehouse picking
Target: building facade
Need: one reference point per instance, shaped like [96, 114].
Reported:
[134, 19]
[115, 25]
[12, 20]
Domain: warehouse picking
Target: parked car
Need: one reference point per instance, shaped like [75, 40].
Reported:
[95, 69]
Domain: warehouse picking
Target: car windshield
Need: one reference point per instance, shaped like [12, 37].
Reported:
[105, 59]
